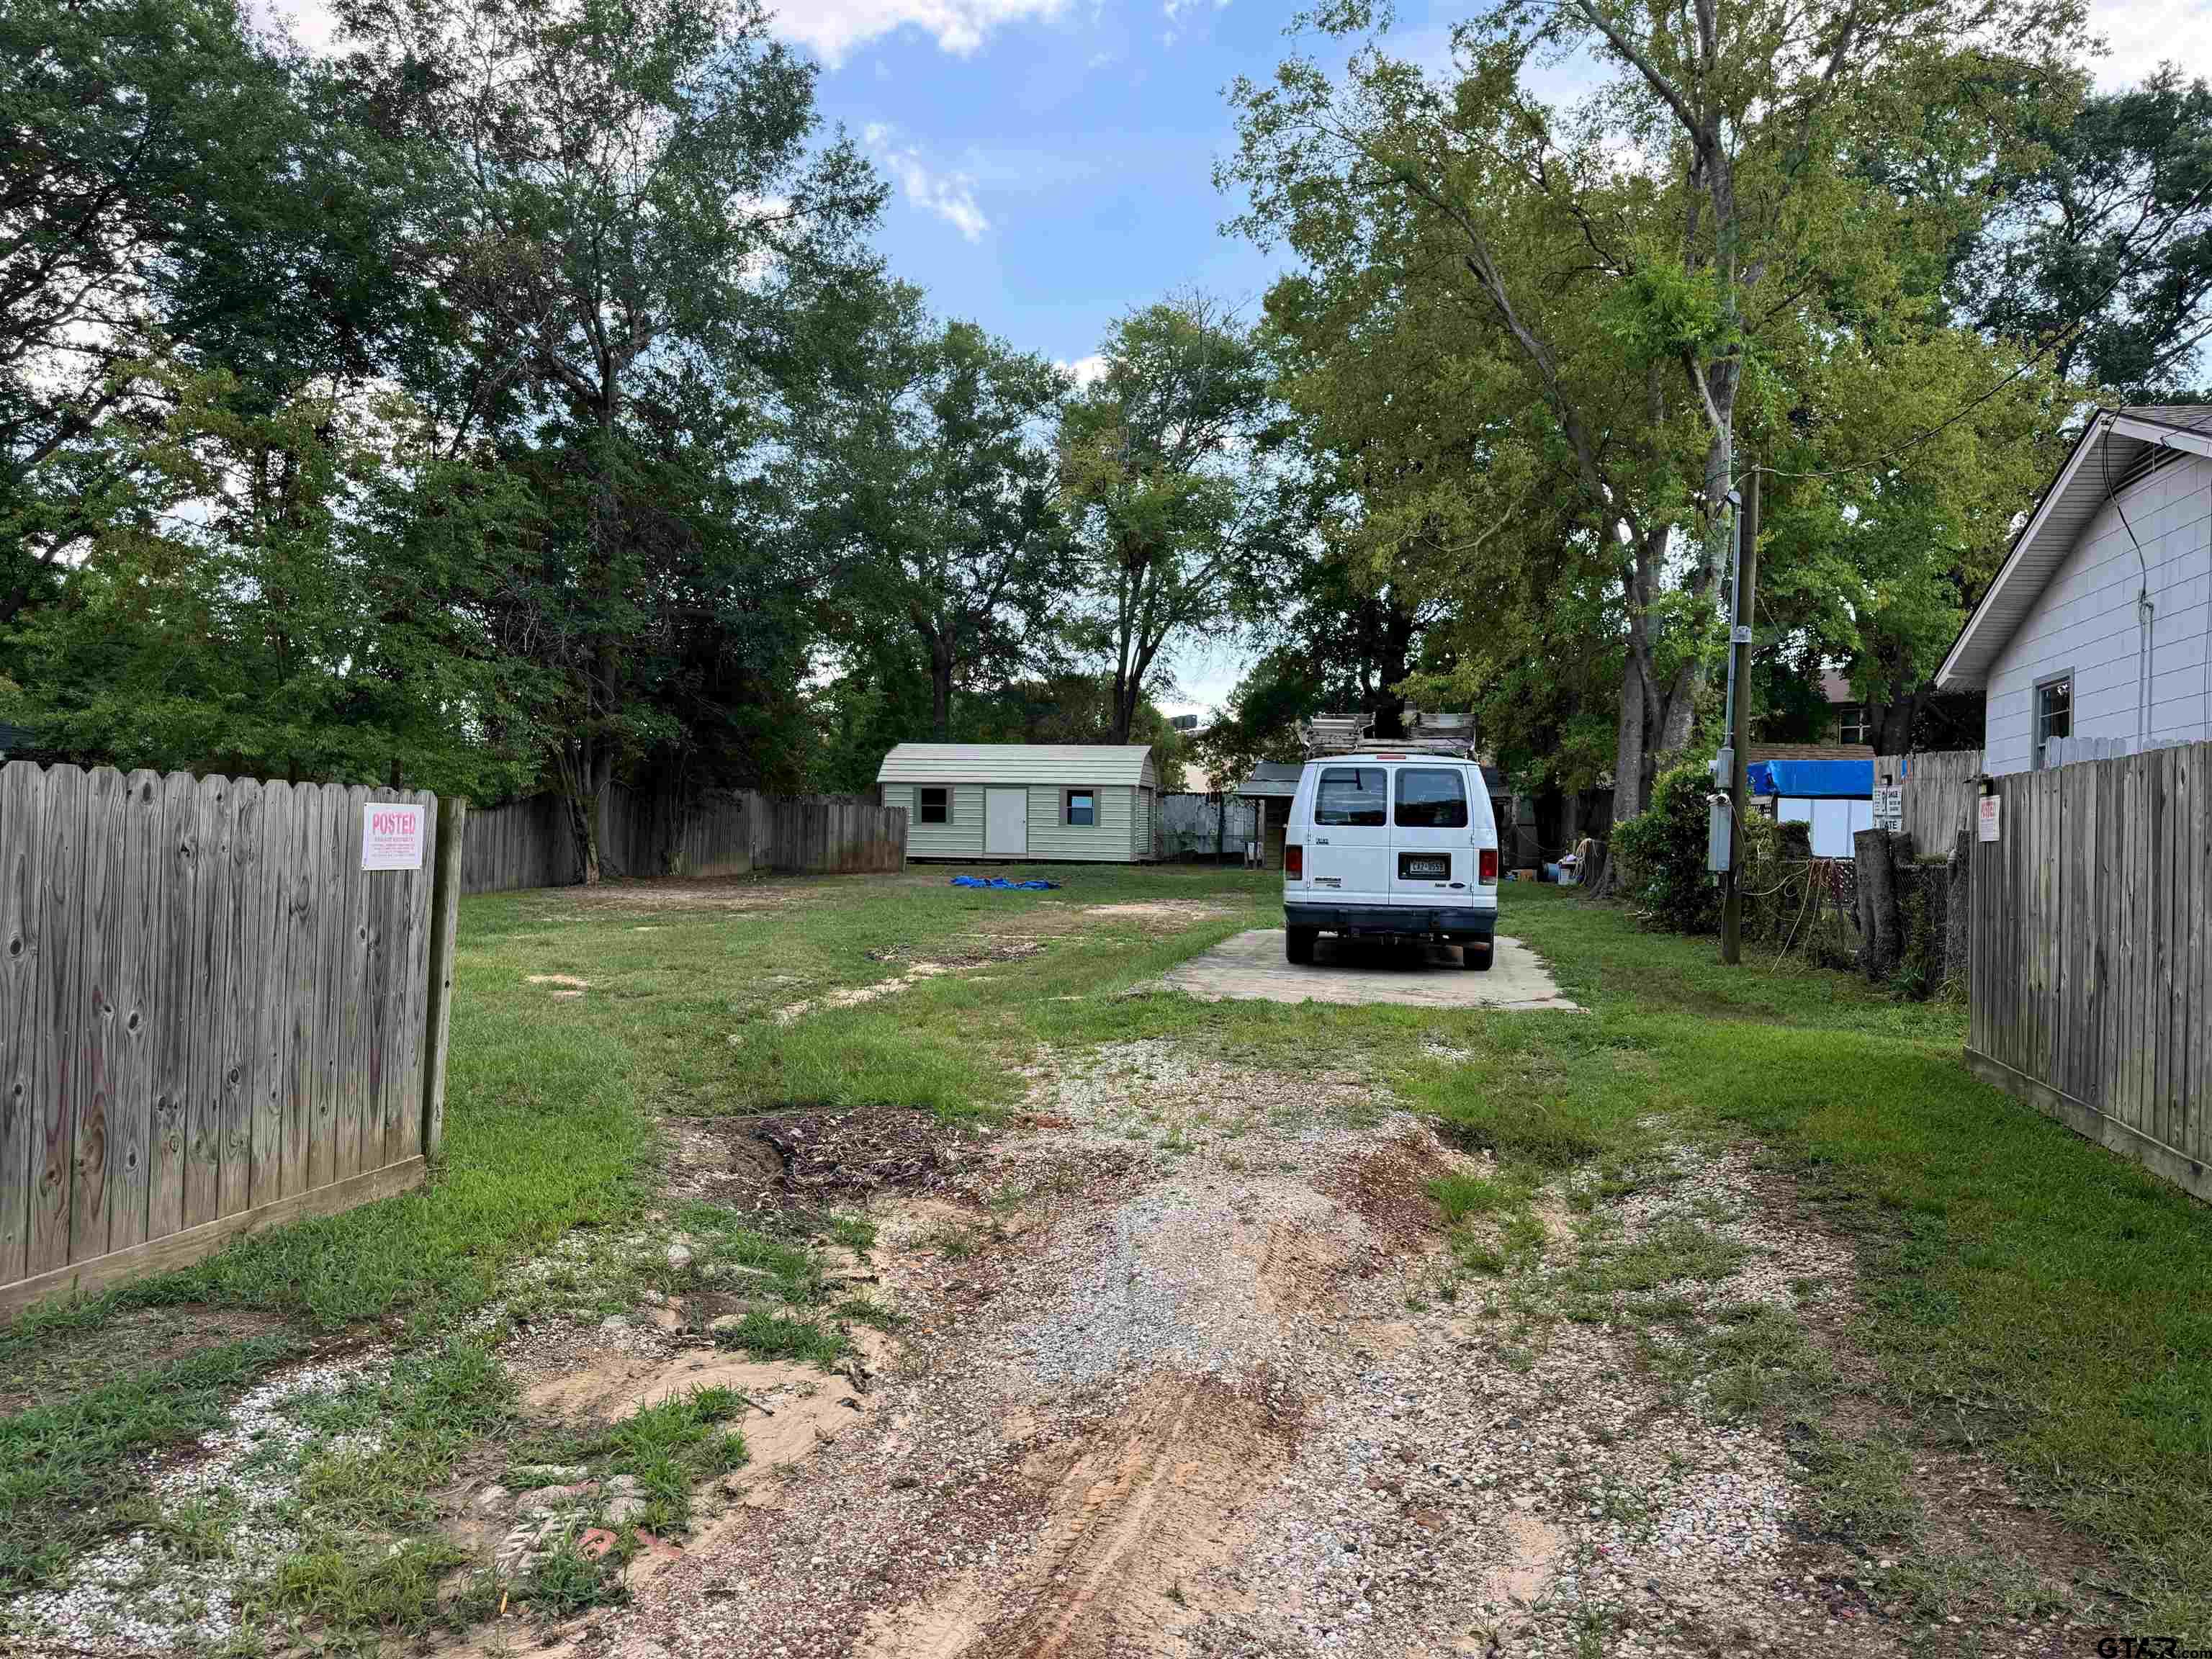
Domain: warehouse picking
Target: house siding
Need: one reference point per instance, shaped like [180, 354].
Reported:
[2084, 622]
[962, 838]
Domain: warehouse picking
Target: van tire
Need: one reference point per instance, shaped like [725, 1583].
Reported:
[1477, 956]
[1298, 945]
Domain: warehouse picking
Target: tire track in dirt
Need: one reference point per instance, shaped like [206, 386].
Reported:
[1154, 1499]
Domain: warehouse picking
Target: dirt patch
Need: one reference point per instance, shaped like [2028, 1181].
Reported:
[1169, 915]
[1144, 1518]
[65, 1362]
[853, 996]
[677, 894]
[803, 1160]
[1389, 1189]
[567, 986]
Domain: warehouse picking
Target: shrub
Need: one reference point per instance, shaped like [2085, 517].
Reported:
[1661, 852]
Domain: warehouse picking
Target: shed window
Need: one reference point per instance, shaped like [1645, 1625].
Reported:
[2054, 713]
[1354, 796]
[1079, 807]
[1431, 799]
[936, 804]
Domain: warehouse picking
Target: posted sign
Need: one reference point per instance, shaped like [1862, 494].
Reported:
[391, 836]
[1991, 805]
[1889, 806]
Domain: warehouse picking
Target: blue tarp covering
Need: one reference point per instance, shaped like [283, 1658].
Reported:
[1821, 780]
[1004, 885]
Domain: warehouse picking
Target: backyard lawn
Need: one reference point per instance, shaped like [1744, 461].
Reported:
[2026, 1303]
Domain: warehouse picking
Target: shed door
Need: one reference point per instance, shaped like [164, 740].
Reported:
[1007, 823]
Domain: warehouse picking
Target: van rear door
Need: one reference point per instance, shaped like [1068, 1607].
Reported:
[1348, 842]
[1431, 844]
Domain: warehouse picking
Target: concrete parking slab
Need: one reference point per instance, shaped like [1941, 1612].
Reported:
[1250, 967]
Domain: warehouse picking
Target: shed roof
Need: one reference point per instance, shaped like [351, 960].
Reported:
[2111, 448]
[1276, 780]
[1018, 762]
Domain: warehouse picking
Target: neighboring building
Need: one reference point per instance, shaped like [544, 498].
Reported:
[1034, 801]
[1829, 786]
[1270, 788]
[1850, 722]
[2093, 637]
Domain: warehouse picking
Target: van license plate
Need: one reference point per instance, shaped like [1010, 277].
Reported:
[1417, 869]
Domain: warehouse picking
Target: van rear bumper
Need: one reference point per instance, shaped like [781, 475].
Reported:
[1457, 922]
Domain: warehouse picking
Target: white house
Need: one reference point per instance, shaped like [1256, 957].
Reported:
[1094, 803]
[2096, 635]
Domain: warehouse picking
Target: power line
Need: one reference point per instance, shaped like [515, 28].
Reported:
[2067, 333]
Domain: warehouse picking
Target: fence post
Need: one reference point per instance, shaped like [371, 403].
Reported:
[445, 913]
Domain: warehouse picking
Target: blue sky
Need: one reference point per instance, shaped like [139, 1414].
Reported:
[1052, 160]
[1057, 172]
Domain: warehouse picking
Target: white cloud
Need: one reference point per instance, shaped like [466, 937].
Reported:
[833, 27]
[1085, 371]
[949, 196]
[2144, 34]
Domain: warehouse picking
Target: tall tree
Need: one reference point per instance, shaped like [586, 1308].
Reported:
[1166, 482]
[637, 237]
[1640, 258]
[176, 194]
[939, 492]
[2101, 249]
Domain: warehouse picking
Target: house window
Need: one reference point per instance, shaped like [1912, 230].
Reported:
[936, 804]
[2054, 713]
[1357, 797]
[1852, 724]
[1079, 807]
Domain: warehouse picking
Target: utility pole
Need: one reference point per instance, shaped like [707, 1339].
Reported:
[1742, 605]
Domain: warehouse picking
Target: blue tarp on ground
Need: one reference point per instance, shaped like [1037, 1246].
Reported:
[1819, 780]
[1004, 885]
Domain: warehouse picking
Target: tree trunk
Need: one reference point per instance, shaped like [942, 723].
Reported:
[1882, 932]
[1628, 742]
[940, 697]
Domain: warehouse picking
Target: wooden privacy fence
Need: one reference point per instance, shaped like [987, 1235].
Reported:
[1940, 789]
[212, 1016]
[528, 843]
[2091, 986]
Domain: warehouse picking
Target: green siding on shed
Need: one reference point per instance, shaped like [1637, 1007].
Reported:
[961, 838]
[1106, 841]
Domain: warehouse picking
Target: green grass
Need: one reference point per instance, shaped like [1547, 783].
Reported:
[2026, 1293]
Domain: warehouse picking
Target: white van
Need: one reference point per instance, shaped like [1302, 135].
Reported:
[1391, 844]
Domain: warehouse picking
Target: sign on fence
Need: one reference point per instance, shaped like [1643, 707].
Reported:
[1991, 808]
[211, 1020]
[1889, 806]
[391, 836]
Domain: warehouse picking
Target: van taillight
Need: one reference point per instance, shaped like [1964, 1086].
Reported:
[1486, 872]
[1294, 861]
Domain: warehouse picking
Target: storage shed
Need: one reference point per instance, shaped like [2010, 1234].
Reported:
[1090, 803]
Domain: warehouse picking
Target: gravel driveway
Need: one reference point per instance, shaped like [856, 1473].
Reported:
[1177, 1379]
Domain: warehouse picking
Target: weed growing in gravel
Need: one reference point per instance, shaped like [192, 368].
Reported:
[69, 1471]
[565, 1581]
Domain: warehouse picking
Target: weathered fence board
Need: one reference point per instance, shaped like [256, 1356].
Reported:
[210, 1016]
[2092, 989]
[528, 843]
[22, 863]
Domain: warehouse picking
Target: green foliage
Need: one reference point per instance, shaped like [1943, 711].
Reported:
[1661, 855]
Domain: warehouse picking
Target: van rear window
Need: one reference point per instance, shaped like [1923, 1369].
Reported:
[1431, 798]
[1353, 795]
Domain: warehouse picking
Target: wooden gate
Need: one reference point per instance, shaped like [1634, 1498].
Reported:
[212, 1017]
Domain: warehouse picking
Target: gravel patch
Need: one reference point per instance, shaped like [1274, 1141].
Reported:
[141, 1593]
